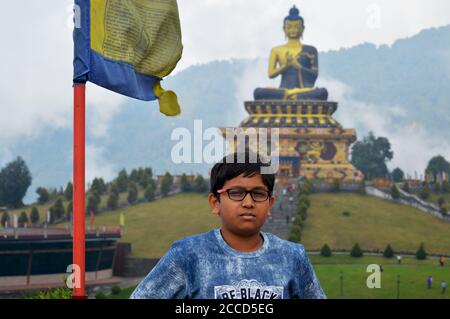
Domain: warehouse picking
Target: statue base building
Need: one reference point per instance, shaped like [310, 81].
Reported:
[311, 143]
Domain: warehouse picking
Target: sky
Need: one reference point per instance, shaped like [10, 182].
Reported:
[36, 68]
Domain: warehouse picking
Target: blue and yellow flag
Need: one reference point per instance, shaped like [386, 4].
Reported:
[128, 46]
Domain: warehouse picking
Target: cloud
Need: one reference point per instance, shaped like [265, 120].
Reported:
[36, 81]
[412, 144]
[216, 29]
[97, 164]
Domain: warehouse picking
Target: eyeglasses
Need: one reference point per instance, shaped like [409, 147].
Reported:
[238, 194]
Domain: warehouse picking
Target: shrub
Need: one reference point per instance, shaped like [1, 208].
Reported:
[115, 290]
[336, 185]
[23, 219]
[296, 234]
[5, 219]
[356, 251]
[34, 216]
[346, 213]
[441, 201]
[149, 192]
[395, 194]
[303, 199]
[302, 211]
[325, 251]
[425, 192]
[388, 251]
[58, 293]
[100, 295]
[421, 254]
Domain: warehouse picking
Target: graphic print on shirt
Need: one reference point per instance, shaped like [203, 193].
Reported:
[248, 289]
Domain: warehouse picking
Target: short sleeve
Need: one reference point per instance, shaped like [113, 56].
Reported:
[309, 284]
[167, 280]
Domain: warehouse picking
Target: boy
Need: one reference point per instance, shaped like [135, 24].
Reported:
[237, 261]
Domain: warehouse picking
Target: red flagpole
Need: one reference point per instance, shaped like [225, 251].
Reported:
[79, 249]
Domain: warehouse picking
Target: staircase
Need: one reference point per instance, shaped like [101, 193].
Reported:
[277, 223]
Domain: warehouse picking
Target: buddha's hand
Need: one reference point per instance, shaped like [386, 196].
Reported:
[292, 61]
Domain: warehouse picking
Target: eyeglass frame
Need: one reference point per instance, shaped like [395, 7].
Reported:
[227, 190]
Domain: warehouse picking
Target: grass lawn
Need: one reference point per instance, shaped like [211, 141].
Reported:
[413, 274]
[412, 281]
[153, 227]
[373, 223]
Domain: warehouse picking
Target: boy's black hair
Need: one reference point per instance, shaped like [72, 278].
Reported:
[231, 166]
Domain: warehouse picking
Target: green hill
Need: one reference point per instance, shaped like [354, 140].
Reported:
[373, 223]
[152, 227]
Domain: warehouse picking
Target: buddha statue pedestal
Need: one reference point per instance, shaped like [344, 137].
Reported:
[311, 143]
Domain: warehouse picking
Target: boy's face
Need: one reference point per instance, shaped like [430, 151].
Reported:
[244, 217]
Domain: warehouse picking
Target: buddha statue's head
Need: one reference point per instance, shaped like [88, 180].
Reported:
[293, 24]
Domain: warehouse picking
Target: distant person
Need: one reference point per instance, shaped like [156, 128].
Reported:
[443, 286]
[399, 259]
[238, 260]
[441, 261]
[287, 219]
[381, 268]
[429, 281]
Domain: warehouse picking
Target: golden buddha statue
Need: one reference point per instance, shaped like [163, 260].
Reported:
[297, 64]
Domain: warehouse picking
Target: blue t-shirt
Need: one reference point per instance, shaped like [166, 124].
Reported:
[204, 266]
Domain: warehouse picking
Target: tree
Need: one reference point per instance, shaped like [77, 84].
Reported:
[122, 181]
[150, 192]
[166, 184]
[68, 192]
[5, 219]
[425, 192]
[388, 251]
[184, 184]
[436, 165]
[135, 175]
[356, 251]
[445, 188]
[43, 194]
[93, 203]
[34, 215]
[113, 199]
[398, 175]
[132, 193]
[146, 177]
[325, 251]
[395, 194]
[15, 178]
[69, 210]
[57, 210]
[370, 156]
[200, 185]
[421, 254]
[441, 201]
[23, 219]
[99, 186]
